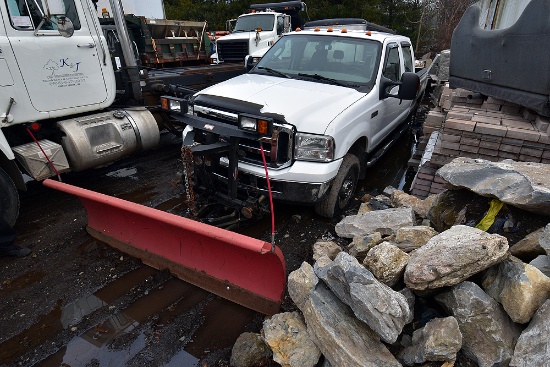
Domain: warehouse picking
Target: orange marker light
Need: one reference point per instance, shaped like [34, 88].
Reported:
[298, 29]
[329, 30]
[316, 29]
[164, 104]
[368, 33]
[263, 127]
[344, 30]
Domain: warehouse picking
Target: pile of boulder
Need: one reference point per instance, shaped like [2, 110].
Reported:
[431, 282]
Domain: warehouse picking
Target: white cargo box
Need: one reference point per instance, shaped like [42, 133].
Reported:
[36, 164]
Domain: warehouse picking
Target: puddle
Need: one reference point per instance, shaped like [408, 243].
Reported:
[124, 172]
[113, 343]
[21, 282]
[142, 195]
[223, 322]
[391, 169]
[174, 324]
[59, 318]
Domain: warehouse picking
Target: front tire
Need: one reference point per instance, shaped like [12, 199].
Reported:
[342, 189]
[9, 199]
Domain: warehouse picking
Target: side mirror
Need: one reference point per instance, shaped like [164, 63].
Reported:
[65, 26]
[410, 83]
[408, 87]
[249, 63]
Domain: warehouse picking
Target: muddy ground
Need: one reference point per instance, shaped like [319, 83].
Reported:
[77, 302]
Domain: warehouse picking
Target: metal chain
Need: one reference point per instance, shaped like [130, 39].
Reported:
[187, 157]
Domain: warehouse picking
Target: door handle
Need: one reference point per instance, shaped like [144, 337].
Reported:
[86, 45]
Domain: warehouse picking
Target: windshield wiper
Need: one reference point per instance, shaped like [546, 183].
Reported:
[323, 78]
[273, 71]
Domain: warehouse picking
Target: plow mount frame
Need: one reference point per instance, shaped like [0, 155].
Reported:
[239, 268]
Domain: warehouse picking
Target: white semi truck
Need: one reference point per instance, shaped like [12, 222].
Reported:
[255, 32]
[67, 81]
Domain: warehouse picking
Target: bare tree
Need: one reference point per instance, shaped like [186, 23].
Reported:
[449, 13]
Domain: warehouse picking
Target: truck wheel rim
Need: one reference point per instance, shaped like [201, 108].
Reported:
[346, 191]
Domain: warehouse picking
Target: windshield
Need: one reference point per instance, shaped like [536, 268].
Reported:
[331, 59]
[250, 23]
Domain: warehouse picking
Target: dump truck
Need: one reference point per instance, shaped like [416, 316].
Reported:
[77, 93]
[302, 126]
[255, 32]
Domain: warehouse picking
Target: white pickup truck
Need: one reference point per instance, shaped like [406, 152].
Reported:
[317, 110]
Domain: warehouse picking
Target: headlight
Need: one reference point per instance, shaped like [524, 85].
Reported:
[314, 148]
[260, 125]
[173, 104]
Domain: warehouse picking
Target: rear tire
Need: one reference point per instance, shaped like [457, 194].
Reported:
[342, 189]
[9, 199]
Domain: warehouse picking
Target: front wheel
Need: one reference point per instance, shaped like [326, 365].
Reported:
[342, 189]
[9, 199]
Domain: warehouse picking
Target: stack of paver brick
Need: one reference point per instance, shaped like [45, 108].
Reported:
[473, 127]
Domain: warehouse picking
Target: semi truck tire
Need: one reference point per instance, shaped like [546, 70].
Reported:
[342, 189]
[9, 198]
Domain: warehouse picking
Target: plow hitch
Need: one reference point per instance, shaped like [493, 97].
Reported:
[242, 269]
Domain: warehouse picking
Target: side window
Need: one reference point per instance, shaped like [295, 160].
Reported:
[392, 68]
[29, 14]
[407, 57]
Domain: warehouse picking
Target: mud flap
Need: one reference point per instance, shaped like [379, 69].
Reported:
[233, 266]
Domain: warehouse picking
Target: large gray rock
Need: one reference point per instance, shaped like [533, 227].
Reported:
[387, 262]
[383, 221]
[410, 238]
[488, 334]
[525, 185]
[545, 239]
[329, 248]
[439, 340]
[383, 309]
[250, 350]
[528, 247]
[542, 263]
[453, 256]
[287, 336]
[532, 348]
[520, 288]
[400, 199]
[411, 300]
[300, 282]
[360, 245]
[342, 338]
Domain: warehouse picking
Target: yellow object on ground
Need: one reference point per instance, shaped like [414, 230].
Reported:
[489, 218]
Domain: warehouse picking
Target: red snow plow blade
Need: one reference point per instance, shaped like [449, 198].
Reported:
[233, 266]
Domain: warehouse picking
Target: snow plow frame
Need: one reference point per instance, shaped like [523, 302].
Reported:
[242, 269]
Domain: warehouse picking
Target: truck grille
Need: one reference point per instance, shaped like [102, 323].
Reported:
[233, 50]
[277, 149]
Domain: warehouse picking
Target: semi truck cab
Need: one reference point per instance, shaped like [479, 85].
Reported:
[254, 33]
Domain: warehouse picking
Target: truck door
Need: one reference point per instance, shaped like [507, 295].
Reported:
[58, 72]
[392, 110]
